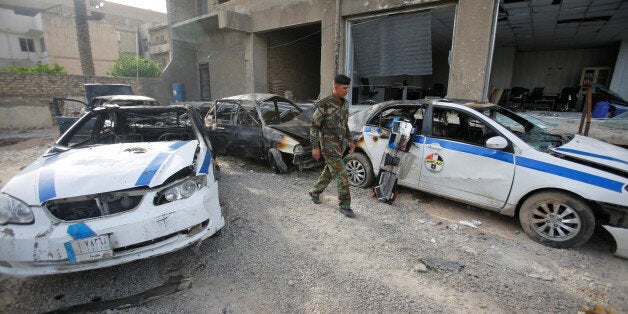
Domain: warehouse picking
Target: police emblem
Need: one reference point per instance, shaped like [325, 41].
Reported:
[434, 163]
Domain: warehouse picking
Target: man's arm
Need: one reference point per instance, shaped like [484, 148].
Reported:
[315, 128]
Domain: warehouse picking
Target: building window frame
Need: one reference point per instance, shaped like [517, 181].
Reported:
[27, 44]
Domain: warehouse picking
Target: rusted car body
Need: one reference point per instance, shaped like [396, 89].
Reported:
[262, 126]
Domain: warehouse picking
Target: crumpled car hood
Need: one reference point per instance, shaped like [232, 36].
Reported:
[299, 127]
[100, 169]
[595, 151]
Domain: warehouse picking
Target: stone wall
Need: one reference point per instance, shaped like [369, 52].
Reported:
[26, 99]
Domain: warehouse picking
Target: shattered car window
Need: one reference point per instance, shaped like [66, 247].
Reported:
[384, 119]
[527, 131]
[248, 116]
[225, 112]
[130, 126]
[278, 112]
[461, 127]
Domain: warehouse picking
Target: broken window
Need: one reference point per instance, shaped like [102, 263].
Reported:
[248, 116]
[413, 115]
[460, 127]
[225, 112]
[27, 44]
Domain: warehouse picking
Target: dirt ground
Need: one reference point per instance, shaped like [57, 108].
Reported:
[279, 252]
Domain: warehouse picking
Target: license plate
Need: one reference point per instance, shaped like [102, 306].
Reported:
[89, 249]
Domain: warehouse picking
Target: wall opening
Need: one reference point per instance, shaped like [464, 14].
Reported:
[400, 56]
[294, 61]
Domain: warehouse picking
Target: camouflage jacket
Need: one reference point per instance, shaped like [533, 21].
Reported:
[329, 129]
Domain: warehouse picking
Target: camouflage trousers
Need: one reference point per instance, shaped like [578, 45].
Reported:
[335, 169]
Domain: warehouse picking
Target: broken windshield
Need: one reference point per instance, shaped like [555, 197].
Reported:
[527, 131]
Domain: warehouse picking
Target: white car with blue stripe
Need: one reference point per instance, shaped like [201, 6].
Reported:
[122, 184]
[490, 157]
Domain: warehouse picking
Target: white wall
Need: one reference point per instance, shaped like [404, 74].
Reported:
[555, 69]
[12, 28]
[619, 83]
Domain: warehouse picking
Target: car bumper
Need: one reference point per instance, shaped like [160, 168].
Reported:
[621, 240]
[305, 160]
[148, 230]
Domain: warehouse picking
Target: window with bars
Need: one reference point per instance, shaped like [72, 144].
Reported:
[27, 44]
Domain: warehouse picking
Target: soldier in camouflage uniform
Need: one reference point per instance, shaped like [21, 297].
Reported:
[329, 133]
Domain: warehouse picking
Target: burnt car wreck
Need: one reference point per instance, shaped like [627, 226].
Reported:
[262, 126]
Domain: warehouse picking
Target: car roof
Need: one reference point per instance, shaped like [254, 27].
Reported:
[124, 97]
[260, 97]
[143, 107]
[440, 101]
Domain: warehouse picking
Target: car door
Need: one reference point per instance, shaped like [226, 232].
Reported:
[220, 122]
[456, 162]
[247, 135]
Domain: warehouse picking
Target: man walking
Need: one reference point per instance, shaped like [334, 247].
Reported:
[329, 134]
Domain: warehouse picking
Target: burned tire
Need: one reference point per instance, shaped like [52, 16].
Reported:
[557, 219]
[277, 165]
[359, 169]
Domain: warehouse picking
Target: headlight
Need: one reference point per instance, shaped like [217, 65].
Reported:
[180, 190]
[14, 211]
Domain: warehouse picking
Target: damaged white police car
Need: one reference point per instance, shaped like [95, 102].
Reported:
[490, 157]
[122, 184]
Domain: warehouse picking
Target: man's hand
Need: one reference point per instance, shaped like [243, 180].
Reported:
[351, 147]
[316, 153]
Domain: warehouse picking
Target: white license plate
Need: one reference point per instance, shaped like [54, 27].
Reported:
[89, 249]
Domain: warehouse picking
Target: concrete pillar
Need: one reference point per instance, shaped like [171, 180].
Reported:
[329, 40]
[255, 63]
[472, 50]
[619, 82]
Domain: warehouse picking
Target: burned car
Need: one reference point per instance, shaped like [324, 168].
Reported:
[262, 126]
[493, 158]
[122, 184]
[66, 120]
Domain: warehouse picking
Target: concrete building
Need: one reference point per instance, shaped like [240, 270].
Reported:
[44, 30]
[393, 49]
[159, 47]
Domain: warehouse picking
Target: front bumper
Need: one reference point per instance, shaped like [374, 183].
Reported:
[621, 240]
[305, 160]
[148, 230]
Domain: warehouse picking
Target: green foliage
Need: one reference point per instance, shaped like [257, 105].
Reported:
[38, 68]
[130, 66]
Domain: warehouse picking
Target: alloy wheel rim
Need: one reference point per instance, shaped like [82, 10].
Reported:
[357, 172]
[556, 221]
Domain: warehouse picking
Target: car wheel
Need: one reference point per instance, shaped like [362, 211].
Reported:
[359, 169]
[277, 165]
[557, 219]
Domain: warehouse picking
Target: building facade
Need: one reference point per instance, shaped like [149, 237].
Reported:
[45, 29]
[392, 49]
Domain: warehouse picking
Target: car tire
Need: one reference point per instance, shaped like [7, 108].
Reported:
[277, 165]
[359, 169]
[557, 219]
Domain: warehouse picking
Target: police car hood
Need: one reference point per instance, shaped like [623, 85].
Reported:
[100, 169]
[590, 150]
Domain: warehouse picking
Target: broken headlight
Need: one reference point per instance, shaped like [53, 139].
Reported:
[180, 190]
[14, 211]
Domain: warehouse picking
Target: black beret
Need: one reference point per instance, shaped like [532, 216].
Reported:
[342, 79]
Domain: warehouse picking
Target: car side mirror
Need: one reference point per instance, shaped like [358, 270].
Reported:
[496, 142]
